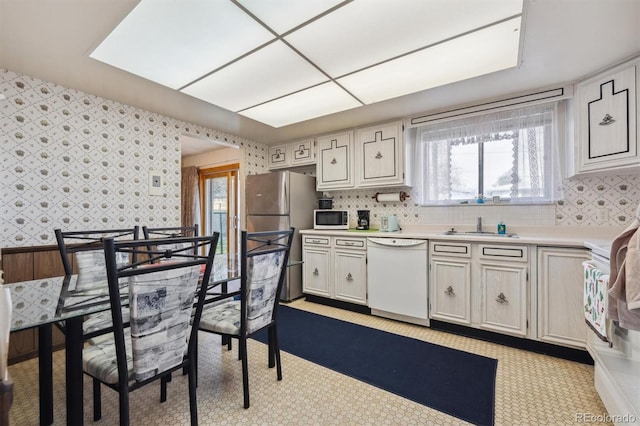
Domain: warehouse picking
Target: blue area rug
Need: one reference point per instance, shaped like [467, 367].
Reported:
[458, 383]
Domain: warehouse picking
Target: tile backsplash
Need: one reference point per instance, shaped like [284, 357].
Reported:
[584, 201]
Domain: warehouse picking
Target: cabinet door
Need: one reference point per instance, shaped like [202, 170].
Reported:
[451, 290]
[278, 157]
[504, 298]
[316, 271]
[350, 276]
[607, 121]
[334, 167]
[302, 152]
[560, 296]
[380, 155]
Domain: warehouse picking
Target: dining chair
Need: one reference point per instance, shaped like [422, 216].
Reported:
[165, 306]
[264, 257]
[171, 231]
[87, 251]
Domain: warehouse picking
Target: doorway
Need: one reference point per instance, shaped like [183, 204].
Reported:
[219, 201]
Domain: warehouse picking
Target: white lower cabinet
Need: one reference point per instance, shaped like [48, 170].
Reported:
[560, 296]
[480, 285]
[335, 267]
[350, 275]
[504, 298]
[450, 278]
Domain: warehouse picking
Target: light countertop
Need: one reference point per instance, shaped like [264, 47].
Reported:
[587, 237]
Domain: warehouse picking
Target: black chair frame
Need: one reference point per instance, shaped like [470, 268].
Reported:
[261, 243]
[187, 257]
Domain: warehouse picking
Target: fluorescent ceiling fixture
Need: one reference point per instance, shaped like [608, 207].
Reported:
[364, 33]
[317, 101]
[176, 42]
[285, 61]
[492, 49]
[260, 77]
[283, 15]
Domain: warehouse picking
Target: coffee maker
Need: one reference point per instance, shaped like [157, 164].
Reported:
[363, 220]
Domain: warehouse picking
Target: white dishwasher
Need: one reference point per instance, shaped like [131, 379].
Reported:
[397, 279]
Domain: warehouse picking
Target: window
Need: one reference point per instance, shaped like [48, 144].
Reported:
[511, 154]
[219, 189]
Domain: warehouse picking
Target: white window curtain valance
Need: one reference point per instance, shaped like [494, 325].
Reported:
[534, 170]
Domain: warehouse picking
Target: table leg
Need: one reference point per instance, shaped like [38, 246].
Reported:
[45, 373]
[73, 357]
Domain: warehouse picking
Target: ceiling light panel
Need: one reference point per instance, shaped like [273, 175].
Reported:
[364, 33]
[324, 99]
[491, 49]
[176, 42]
[283, 15]
[266, 74]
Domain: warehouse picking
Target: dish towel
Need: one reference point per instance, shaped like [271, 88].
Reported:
[624, 281]
[595, 299]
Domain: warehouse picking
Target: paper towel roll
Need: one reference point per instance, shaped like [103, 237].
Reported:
[391, 197]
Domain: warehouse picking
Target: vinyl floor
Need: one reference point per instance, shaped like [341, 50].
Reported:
[531, 389]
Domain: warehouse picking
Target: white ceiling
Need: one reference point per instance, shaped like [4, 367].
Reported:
[270, 61]
[564, 40]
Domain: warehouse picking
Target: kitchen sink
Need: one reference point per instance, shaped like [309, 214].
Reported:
[480, 233]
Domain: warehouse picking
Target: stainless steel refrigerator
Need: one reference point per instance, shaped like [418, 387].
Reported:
[279, 201]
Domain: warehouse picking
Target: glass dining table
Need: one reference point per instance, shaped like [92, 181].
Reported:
[44, 302]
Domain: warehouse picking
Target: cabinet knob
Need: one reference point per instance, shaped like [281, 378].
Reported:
[334, 161]
[379, 155]
[502, 298]
[449, 291]
[349, 277]
[606, 120]
[315, 272]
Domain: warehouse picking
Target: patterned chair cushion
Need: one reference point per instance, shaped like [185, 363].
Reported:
[92, 273]
[223, 318]
[161, 304]
[262, 279]
[99, 358]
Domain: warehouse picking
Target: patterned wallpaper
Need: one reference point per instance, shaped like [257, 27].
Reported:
[74, 160]
[77, 161]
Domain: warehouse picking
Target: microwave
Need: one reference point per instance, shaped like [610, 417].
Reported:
[330, 219]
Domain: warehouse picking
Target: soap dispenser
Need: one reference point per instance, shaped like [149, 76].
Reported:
[502, 228]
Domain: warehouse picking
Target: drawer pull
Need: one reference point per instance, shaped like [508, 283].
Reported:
[349, 277]
[334, 161]
[315, 272]
[316, 241]
[378, 155]
[502, 298]
[449, 291]
[349, 243]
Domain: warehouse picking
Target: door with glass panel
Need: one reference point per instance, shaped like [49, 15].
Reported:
[219, 192]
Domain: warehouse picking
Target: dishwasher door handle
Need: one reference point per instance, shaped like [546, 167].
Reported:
[395, 242]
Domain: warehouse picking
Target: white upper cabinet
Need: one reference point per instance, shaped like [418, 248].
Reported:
[293, 154]
[607, 120]
[278, 156]
[380, 155]
[303, 152]
[335, 164]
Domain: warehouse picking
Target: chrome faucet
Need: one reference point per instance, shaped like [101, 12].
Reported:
[479, 224]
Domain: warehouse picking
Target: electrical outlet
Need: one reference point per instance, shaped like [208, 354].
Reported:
[602, 215]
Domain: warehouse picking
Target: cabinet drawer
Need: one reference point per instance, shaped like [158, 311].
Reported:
[504, 252]
[316, 241]
[352, 243]
[444, 248]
